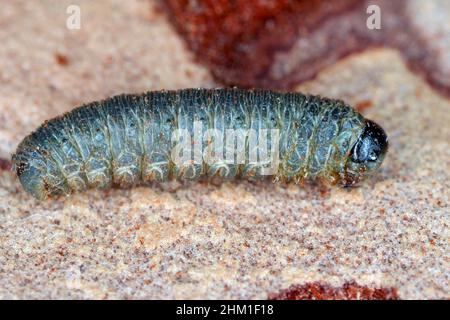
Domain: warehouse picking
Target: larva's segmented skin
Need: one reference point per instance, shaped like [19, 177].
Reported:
[127, 140]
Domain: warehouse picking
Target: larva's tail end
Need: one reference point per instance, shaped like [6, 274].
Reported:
[32, 182]
[30, 177]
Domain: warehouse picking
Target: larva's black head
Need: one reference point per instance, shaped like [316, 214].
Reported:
[371, 146]
[367, 154]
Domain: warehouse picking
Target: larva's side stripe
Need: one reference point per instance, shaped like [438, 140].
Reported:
[129, 139]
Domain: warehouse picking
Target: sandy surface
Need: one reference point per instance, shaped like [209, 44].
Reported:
[198, 240]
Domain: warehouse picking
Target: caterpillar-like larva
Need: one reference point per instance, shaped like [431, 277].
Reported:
[132, 139]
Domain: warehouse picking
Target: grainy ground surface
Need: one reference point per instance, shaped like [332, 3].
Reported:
[199, 240]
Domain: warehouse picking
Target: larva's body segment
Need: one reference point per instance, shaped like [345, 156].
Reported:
[129, 139]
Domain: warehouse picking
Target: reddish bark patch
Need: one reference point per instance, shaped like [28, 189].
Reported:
[61, 59]
[363, 105]
[349, 291]
[277, 44]
[5, 164]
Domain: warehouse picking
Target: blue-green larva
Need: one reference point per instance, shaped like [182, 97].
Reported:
[129, 139]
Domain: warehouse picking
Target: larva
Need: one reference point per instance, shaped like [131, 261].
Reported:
[130, 139]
